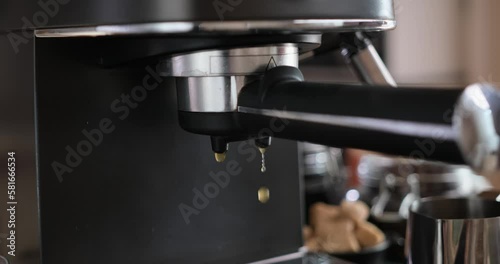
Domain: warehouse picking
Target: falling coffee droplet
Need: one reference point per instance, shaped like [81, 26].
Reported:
[220, 157]
[263, 153]
[264, 195]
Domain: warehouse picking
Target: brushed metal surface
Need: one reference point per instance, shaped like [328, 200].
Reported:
[448, 231]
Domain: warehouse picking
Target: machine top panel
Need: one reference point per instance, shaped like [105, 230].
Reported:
[124, 17]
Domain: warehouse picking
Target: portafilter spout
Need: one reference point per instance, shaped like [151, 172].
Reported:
[451, 125]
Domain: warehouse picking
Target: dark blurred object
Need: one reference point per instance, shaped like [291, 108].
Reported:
[393, 193]
[324, 174]
[390, 185]
[371, 170]
[394, 199]
[437, 179]
[373, 255]
[490, 195]
[319, 258]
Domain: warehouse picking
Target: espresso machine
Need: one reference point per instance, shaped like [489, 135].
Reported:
[166, 131]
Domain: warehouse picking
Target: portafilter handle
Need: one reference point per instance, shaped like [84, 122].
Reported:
[451, 125]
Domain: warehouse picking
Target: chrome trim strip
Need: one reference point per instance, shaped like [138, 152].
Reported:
[280, 259]
[372, 68]
[407, 128]
[230, 62]
[297, 25]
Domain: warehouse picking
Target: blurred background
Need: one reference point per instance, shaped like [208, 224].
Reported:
[445, 42]
[450, 43]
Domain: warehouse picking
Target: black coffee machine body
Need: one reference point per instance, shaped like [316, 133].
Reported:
[103, 171]
[112, 112]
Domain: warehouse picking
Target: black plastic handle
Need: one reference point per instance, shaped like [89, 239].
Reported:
[414, 122]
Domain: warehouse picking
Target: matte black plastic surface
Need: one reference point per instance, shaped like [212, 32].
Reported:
[429, 106]
[342, 137]
[17, 134]
[96, 12]
[121, 204]
[114, 51]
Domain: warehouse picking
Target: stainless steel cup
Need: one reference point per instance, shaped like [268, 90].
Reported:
[447, 230]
